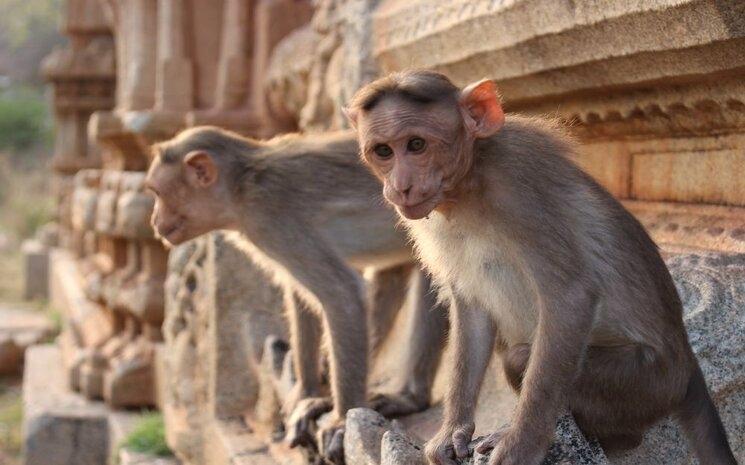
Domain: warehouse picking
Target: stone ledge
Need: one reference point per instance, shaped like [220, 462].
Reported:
[61, 427]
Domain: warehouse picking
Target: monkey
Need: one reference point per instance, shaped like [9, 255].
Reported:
[540, 263]
[306, 210]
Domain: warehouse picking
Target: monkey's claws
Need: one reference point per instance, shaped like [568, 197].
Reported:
[508, 449]
[301, 423]
[398, 404]
[449, 445]
[490, 442]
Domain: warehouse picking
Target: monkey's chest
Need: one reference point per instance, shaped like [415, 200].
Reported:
[482, 272]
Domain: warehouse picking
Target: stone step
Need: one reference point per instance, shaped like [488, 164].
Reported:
[20, 329]
[61, 427]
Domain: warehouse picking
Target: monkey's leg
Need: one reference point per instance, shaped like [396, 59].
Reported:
[386, 294]
[427, 327]
[556, 356]
[618, 394]
[304, 405]
[322, 273]
[473, 334]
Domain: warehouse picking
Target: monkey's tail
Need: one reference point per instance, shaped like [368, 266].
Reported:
[702, 424]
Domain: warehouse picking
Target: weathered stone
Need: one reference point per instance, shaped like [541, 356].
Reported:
[128, 457]
[364, 430]
[60, 428]
[35, 269]
[570, 447]
[133, 208]
[20, 329]
[397, 448]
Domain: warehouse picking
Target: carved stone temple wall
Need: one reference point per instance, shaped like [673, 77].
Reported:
[654, 90]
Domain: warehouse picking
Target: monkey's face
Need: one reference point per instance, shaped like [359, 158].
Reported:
[184, 208]
[415, 153]
[422, 151]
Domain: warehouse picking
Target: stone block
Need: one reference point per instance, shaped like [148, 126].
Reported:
[59, 427]
[128, 457]
[397, 448]
[19, 329]
[35, 269]
[363, 435]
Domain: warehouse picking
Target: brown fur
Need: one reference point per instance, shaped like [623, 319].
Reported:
[536, 256]
[306, 210]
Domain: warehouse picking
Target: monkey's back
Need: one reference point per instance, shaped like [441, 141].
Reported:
[321, 178]
[601, 240]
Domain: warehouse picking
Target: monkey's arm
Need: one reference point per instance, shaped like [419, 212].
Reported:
[305, 334]
[565, 320]
[317, 269]
[426, 330]
[473, 333]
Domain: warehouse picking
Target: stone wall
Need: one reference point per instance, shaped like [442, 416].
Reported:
[653, 90]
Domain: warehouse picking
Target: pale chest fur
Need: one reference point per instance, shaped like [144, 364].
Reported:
[467, 258]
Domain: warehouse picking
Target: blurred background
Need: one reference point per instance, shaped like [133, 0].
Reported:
[114, 349]
[29, 30]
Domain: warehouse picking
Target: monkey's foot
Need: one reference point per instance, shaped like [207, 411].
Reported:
[331, 443]
[399, 403]
[508, 449]
[301, 423]
[488, 443]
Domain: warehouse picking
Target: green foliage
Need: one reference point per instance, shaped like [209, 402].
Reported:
[24, 120]
[11, 417]
[148, 436]
[25, 202]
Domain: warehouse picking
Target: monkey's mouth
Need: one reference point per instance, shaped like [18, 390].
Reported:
[419, 210]
[168, 233]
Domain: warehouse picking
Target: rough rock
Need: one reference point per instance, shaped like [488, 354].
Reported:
[128, 457]
[362, 438]
[19, 329]
[397, 448]
[60, 427]
[35, 269]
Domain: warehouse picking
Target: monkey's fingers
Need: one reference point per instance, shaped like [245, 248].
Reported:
[461, 439]
[394, 405]
[443, 454]
[490, 442]
[335, 448]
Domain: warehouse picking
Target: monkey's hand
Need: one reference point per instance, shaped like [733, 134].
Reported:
[331, 442]
[449, 444]
[509, 449]
[399, 403]
[301, 423]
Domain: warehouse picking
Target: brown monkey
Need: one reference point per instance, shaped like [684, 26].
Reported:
[538, 261]
[309, 212]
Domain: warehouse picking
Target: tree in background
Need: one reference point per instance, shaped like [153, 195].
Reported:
[28, 32]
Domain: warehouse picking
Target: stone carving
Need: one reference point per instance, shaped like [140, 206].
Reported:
[308, 90]
[215, 326]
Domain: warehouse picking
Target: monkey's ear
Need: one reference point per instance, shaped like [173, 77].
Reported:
[201, 170]
[483, 108]
[351, 115]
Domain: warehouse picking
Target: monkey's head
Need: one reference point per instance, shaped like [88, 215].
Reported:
[416, 131]
[187, 177]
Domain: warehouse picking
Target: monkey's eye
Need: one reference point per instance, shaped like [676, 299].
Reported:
[416, 144]
[383, 151]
